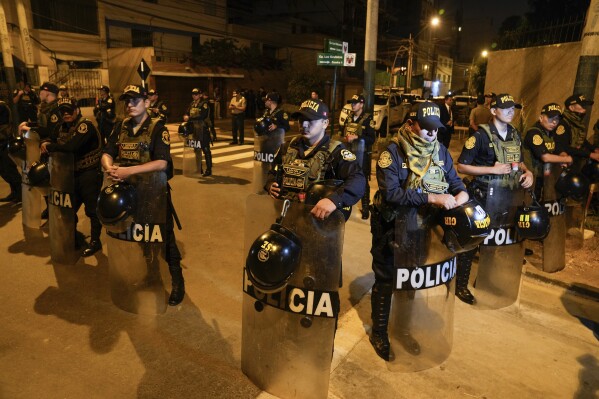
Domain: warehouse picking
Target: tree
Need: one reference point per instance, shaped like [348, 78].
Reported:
[303, 82]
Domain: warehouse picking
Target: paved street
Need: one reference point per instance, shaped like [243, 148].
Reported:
[61, 336]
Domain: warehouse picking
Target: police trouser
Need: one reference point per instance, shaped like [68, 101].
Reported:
[173, 255]
[87, 189]
[366, 168]
[237, 120]
[105, 127]
[8, 169]
[205, 142]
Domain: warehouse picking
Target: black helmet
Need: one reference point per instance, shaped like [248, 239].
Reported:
[116, 205]
[273, 258]
[532, 222]
[465, 226]
[590, 170]
[39, 174]
[572, 185]
[186, 129]
[322, 189]
[262, 125]
[16, 147]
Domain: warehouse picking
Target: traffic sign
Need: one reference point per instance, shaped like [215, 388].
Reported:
[333, 46]
[329, 59]
[349, 59]
[143, 70]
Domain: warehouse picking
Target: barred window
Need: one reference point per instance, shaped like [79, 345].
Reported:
[141, 38]
[77, 16]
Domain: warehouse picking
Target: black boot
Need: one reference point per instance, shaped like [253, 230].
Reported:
[208, 171]
[462, 276]
[93, 247]
[95, 244]
[381, 304]
[178, 291]
[45, 211]
[14, 196]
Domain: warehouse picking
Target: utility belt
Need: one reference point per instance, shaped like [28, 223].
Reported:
[90, 160]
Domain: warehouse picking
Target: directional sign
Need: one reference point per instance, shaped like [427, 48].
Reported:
[143, 70]
[333, 46]
[328, 59]
[349, 59]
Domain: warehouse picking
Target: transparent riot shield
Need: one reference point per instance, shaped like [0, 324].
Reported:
[501, 255]
[421, 317]
[192, 153]
[265, 148]
[62, 218]
[359, 149]
[32, 196]
[554, 245]
[287, 336]
[574, 221]
[136, 256]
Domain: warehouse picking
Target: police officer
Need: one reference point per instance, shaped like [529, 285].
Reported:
[359, 133]
[447, 119]
[278, 117]
[80, 137]
[104, 111]
[572, 127]
[138, 127]
[210, 120]
[158, 108]
[48, 119]
[63, 91]
[414, 171]
[27, 101]
[8, 169]
[198, 113]
[484, 157]
[323, 158]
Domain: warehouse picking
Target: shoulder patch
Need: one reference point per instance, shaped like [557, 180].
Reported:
[372, 123]
[82, 128]
[163, 107]
[285, 116]
[166, 137]
[537, 139]
[560, 130]
[205, 106]
[109, 101]
[347, 155]
[385, 160]
[470, 143]
[54, 118]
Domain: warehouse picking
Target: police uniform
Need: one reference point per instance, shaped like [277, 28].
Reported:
[158, 109]
[27, 105]
[152, 141]
[404, 189]
[82, 139]
[278, 117]
[328, 160]
[49, 120]
[8, 169]
[199, 114]
[105, 114]
[363, 127]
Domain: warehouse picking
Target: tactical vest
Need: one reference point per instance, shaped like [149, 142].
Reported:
[135, 150]
[298, 174]
[507, 152]
[356, 127]
[194, 109]
[536, 164]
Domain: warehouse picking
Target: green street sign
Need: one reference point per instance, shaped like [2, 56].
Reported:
[328, 59]
[333, 46]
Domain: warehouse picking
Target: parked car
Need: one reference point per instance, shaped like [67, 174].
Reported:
[387, 110]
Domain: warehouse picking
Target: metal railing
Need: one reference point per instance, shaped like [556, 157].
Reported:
[81, 83]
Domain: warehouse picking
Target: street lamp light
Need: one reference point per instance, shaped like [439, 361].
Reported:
[483, 54]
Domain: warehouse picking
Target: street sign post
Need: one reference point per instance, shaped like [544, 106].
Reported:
[144, 71]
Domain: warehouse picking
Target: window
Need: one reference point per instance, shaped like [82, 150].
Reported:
[141, 38]
[77, 16]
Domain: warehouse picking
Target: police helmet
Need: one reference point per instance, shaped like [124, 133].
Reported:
[591, 171]
[39, 174]
[16, 147]
[262, 125]
[116, 204]
[572, 185]
[532, 222]
[186, 129]
[273, 258]
[322, 189]
[465, 226]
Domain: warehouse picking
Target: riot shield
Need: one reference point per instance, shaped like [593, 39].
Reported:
[500, 259]
[287, 336]
[62, 218]
[358, 147]
[554, 245]
[136, 256]
[574, 221]
[423, 295]
[32, 196]
[192, 152]
[265, 148]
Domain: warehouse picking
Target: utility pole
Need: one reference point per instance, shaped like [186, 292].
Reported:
[372, 23]
[588, 63]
